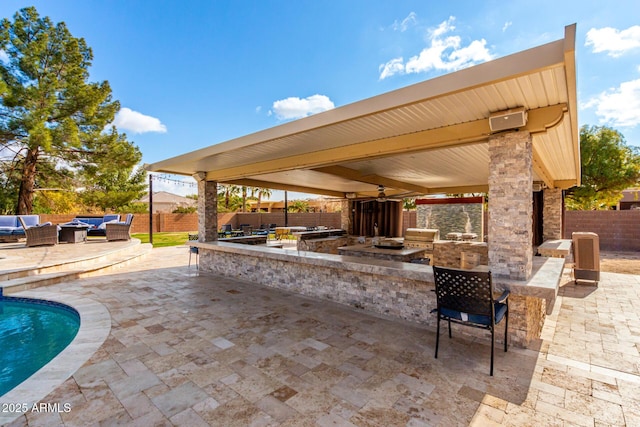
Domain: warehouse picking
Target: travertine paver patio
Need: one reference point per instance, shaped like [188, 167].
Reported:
[195, 350]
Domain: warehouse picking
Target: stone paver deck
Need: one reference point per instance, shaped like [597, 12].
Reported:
[195, 350]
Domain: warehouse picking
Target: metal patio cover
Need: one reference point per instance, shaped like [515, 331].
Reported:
[427, 138]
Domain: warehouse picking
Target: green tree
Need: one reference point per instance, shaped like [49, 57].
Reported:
[56, 202]
[409, 204]
[608, 167]
[298, 206]
[110, 189]
[261, 192]
[8, 189]
[226, 193]
[49, 112]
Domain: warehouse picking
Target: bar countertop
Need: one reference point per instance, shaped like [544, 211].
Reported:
[372, 250]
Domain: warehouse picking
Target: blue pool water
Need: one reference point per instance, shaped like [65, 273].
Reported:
[32, 332]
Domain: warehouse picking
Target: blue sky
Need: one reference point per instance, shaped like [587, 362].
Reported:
[193, 73]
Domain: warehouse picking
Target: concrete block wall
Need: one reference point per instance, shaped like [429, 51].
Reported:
[167, 222]
[161, 222]
[303, 219]
[617, 230]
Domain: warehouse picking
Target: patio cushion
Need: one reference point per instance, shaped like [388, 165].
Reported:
[76, 221]
[103, 226]
[92, 222]
[8, 221]
[30, 220]
[500, 310]
[6, 231]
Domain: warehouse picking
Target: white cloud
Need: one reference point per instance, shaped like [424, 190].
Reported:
[395, 66]
[135, 122]
[619, 106]
[613, 41]
[443, 28]
[410, 20]
[443, 53]
[506, 25]
[3, 56]
[296, 108]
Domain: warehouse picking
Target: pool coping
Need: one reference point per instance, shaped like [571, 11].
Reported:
[95, 326]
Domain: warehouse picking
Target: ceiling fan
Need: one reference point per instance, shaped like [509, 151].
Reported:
[382, 197]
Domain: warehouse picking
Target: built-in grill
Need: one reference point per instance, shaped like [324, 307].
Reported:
[421, 238]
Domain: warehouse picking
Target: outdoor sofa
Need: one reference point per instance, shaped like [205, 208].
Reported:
[10, 228]
[97, 225]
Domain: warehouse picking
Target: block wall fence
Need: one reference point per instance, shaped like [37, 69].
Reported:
[164, 222]
[618, 230]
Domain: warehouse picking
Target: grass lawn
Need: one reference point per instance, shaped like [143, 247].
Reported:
[163, 239]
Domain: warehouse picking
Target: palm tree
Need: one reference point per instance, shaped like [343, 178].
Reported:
[229, 191]
[262, 192]
[244, 199]
[298, 206]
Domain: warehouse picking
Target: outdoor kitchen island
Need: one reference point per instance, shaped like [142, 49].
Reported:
[389, 253]
[390, 288]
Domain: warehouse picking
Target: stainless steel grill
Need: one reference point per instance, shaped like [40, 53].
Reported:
[422, 238]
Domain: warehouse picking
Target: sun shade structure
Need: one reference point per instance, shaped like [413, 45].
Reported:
[427, 138]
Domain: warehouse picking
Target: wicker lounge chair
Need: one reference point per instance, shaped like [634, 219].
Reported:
[119, 230]
[39, 235]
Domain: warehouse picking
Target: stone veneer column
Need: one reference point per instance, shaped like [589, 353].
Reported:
[207, 211]
[510, 205]
[345, 215]
[552, 214]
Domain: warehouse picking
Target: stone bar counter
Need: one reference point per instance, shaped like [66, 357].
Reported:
[324, 241]
[371, 251]
[390, 288]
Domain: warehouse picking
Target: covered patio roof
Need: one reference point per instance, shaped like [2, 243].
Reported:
[427, 138]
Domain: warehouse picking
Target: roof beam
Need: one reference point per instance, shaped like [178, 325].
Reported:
[570, 75]
[373, 179]
[564, 183]
[551, 117]
[545, 118]
[462, 133]
[279, 186]
[463, 189]
[434, 138]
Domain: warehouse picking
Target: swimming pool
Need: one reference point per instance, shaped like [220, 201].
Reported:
[32, 333]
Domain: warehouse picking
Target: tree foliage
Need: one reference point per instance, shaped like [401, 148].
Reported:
[109, 189]
[260, 192]
[50, 114]
[608, 167]
[298, 206]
